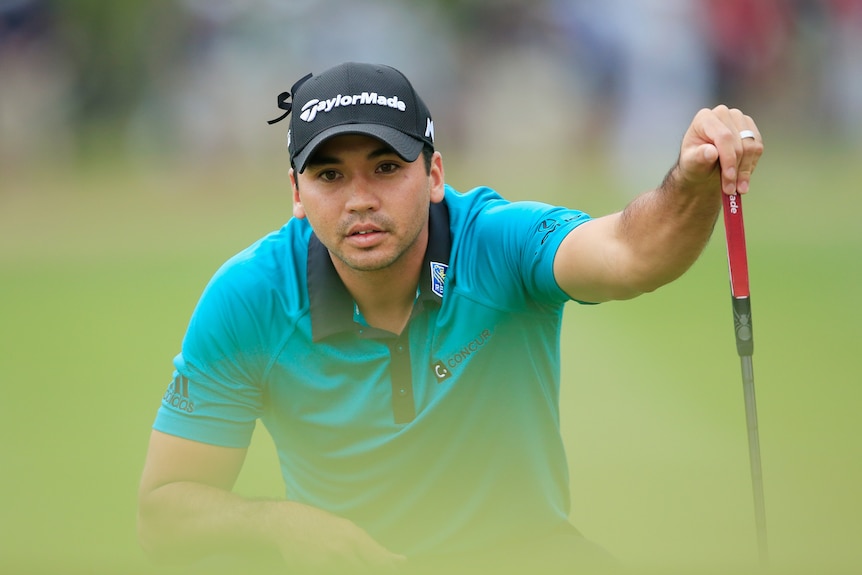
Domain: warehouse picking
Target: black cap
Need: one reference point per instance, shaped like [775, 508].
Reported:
[355, 98]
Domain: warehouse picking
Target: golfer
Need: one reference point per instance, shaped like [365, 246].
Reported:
[400, 342]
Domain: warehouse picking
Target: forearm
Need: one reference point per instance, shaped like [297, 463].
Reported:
[666, 230]
[185, 520]
[188, 520]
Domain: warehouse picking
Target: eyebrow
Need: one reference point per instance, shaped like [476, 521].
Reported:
[317, 159]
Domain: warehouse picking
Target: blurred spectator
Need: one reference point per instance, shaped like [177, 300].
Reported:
[236, 56]
[842, 69]
[198, 78]
[514, 96]
[648, 59]
[35, 85]
[749, 41]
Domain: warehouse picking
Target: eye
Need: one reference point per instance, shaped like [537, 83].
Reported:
[328, 175]
[388, 167]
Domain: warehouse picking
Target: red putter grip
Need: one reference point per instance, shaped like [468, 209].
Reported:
[737, 259]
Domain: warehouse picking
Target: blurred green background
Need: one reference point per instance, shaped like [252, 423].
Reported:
[111, 224]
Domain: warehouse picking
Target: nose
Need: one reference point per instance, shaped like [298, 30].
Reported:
[361, 196]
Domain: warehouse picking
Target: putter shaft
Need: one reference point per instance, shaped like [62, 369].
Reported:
[737, 259]
[754, 457]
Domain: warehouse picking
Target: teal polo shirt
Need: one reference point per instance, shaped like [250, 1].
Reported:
[442, 439]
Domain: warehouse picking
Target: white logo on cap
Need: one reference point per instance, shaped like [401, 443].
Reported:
[429, 129]
[312, 107]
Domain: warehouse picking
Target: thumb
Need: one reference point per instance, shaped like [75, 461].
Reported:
[698, 163]
[701, 159]
[708, 154]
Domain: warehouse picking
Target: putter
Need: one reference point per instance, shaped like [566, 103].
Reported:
[738, 266]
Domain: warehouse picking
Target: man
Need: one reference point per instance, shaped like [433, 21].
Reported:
[400, 342]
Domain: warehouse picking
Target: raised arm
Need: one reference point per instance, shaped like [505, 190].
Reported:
[660, 234]
[186, 511]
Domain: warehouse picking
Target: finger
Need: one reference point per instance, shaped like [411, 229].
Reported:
[738, 156]
[375, 554]
[711, 148]
[725, 136]
[752, 150]
[395, 564]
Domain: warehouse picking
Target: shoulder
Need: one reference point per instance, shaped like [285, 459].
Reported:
[277, 259]
[503, 251]
[484, 211]
[473, 201]
[261, 283]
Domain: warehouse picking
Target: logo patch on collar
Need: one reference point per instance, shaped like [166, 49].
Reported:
[438, 277]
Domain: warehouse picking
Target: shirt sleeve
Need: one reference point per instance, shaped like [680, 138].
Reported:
[216, 394]
[517, 243]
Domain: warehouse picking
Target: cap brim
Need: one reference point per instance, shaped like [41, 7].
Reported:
[407, 147]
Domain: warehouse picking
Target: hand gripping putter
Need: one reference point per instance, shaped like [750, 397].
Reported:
[738, 266]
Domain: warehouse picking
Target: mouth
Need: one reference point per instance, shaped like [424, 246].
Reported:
[365, 236]
[360, 228]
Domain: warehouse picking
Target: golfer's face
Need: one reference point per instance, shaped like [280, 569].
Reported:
[367, 205]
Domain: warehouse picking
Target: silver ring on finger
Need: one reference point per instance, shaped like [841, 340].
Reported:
[747, 134]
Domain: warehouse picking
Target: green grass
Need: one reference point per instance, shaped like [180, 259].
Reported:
[100, 268]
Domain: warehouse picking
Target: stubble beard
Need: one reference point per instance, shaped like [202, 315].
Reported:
[383, 261]
[379, 257]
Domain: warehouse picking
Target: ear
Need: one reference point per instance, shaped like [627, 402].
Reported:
[437, 178]
[298, 210]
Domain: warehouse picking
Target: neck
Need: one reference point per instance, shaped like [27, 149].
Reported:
[385, 303]
[385, 297]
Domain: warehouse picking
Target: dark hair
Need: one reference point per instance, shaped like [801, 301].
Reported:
[427, 154]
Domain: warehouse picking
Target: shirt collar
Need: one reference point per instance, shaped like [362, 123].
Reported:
[331, 305]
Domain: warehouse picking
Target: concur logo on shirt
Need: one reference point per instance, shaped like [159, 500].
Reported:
[443, 369]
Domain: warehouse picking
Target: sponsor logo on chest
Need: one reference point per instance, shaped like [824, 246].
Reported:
[443, 368]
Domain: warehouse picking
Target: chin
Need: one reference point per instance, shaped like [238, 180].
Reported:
[368, 262]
